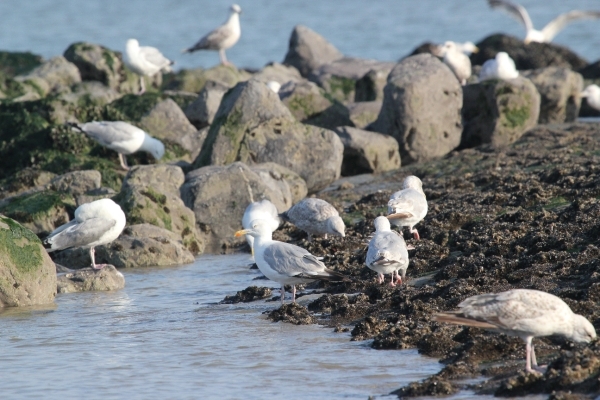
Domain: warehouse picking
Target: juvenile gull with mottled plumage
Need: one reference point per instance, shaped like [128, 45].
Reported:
[407, 207]
[316, 217]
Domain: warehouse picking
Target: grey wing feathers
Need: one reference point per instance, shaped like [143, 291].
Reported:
[154, 56]
[79, 234]
[107, 133]
[558, 23]
[213, 40]
[292, 260]
[407, 200]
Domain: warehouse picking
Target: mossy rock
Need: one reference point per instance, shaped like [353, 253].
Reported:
[193, 80]
[41, 212]
[18, 63]
[27, 274]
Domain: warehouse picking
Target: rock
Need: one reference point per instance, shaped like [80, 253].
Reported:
[279, 73]
[193, 80]
[292, 313]
[527, 56]
[219, 196]
[367, 152]
[150, 194]
[90, 92]
[499, 112]
[40, 212]
[304, 99]
[53, 76]
[202, 111]
[254, 126]
[427, 47]
[95, 194]
[27, 274]
[308, 50]
[77, 182]
[13, 63]
[421, 109]
[590, 71]
[131, 252]
[89, 280]
[96, 63]
[559, 89]
[141, 231]
[279, 178]
[370, 86]
[364, 113]
[339, 78]
[247, 295]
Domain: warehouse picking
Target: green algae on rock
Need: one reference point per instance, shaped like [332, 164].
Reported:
[27, 275]
[41, 212]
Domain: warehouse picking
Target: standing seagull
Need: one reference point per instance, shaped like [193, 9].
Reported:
[546, 35]
[283, 262]
[96, 223]
[145, 61]
[592, 95]
[457, 60]
[123, 138]
[500, 67]
[387, 252]
[316, 217]
[524, 313]
[264, 210]
[407, 207]
[222, 38]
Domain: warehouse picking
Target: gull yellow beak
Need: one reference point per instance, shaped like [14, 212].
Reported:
[242, 232]
[476, 49]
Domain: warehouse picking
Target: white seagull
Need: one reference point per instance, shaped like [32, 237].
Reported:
[467, 47]
[407, 207]
[264, 210]
[523, 313]
[145, 61]
[546, 35]
[387, 252]
[592, 95]
[123, 138]
[500, 67]
[316, 217]
[285, 263]
[222, 38]
[96, 223]
[457, 60]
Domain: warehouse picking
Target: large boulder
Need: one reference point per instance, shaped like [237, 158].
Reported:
[310, 105]
[421, 108]
[278, 73]
[370, 86]
[254, 126]
[13, 63]
[527, 56]
[364, 113]
[277, 178]
[89, 280]
[367, 152]
[90, 92]
[219, 196]
[201, 112]
[559, 89]
[27, 274]
[96, 63]
[339, 78]
[499, 112]
[193, 80]
[308, 50]
[77, 182]
[150, 194]
[53, 76]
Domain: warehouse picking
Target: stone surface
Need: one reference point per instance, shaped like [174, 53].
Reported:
[89, 280]
[77, 182]
[90, 92]
[499, 112]
[309, 104]
[279, 178]
[590, 71]
[53, 76]
[279, 73]
[308, 50]
[27, 274]
[421, 108]
[254, 126]
[193, 80]
[150, 194]
[364, 113]
[202, 111]
[367, 152]
[527, 56]
[370, 86]
[96, 63]
[40, 211]
[559, 89]
[219, 196]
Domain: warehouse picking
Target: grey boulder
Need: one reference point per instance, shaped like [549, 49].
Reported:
[421, 108]
[308, 50]
[367, 152]
[53, 76]
[90, 280]
[201, 112]
[77, 182]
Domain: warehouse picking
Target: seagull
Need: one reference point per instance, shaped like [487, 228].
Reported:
[523, 313]
[274, 86]
[96, 223]
[264, 210]
[222, 38]
[457, 60]
[145, 61]
[123, 138]
[592, 95]
[387, 252]
[285, 263]
[500, 67]
[407, 207]
[467, 47]
[546, 35]
[316, 217]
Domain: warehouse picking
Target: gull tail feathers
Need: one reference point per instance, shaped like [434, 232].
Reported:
[457, 319]
[74, 125]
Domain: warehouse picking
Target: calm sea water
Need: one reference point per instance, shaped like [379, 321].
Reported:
[379, 29]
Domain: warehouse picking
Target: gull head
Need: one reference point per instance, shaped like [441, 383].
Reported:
[412, 182]
[258, 228]
[583, 330]
[382, 224]
[591, 91]
[236, 9]
[468, 48]
[336, 226]
[158, 149]
[132, 44]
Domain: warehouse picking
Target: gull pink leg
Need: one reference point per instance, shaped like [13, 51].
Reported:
[142, 86]
[528, 352]
[282, 293]
[534, 364]
[392, 282]
[93, 257]
[123, 162]
[293, 293]
[415, 233]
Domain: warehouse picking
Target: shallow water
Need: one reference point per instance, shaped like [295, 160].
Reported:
[164, 336]
[382, 29]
